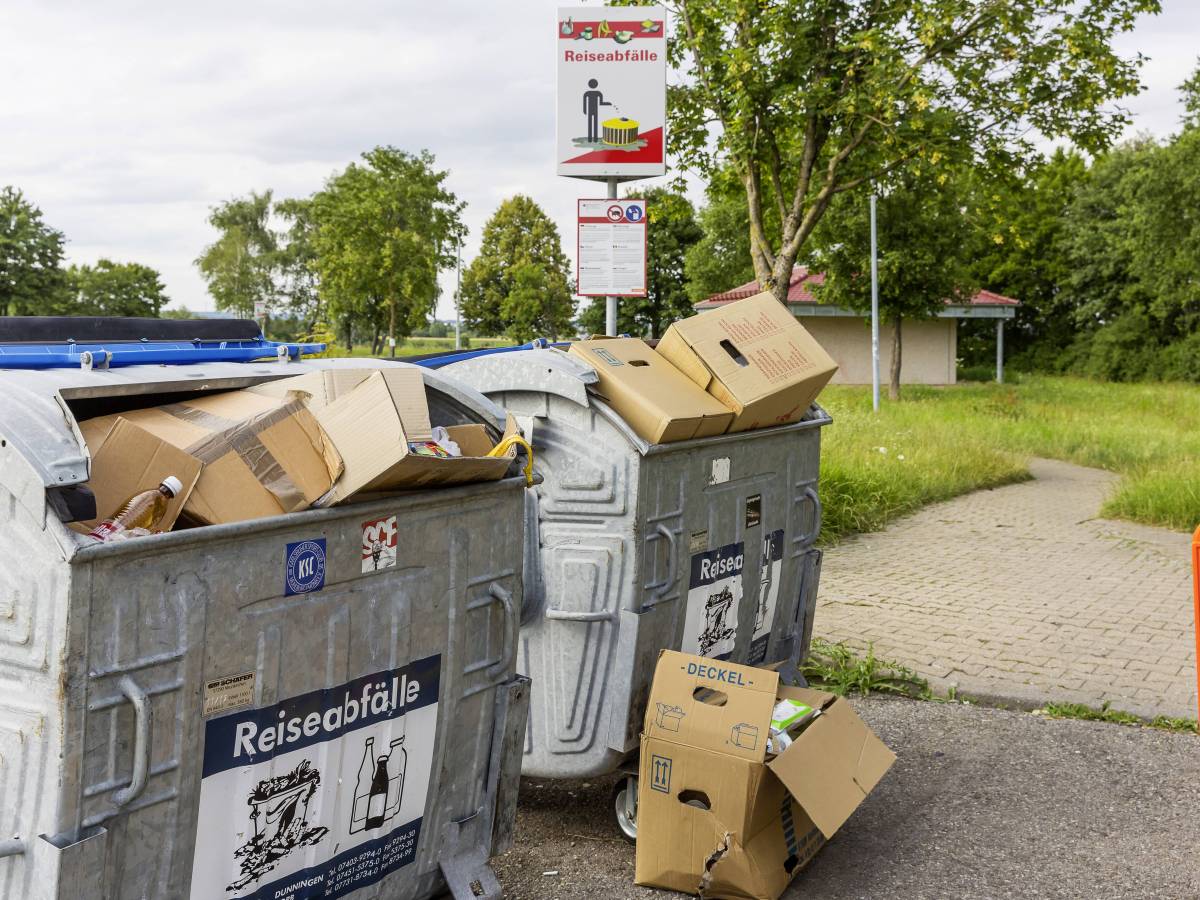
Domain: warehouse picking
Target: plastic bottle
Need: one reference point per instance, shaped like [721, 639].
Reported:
[144, 510]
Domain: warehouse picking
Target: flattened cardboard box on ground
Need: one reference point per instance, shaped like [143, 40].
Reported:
[371, 415]
[129, 460]
[754, 357]
[654, 397]
[719, 815]
[261, 456]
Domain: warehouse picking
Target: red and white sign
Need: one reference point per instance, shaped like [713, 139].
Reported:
[612, 91]
[612, 248]
[379, 544]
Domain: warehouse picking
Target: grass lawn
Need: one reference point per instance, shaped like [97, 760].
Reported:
[415, 346]
[937, 443]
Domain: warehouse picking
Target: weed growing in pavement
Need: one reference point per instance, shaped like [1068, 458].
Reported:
[1105, 713]
[837, 669]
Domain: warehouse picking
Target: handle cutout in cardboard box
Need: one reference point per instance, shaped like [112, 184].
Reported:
[734, 353]
[698, 799]
[710, 696]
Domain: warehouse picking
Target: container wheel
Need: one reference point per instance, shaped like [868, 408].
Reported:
[625, 802]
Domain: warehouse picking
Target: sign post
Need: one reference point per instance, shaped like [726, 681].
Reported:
[612, 102]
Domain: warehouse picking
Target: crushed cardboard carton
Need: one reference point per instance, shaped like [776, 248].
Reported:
[129, 460]
[261, 456]
[718, 815]
[654, 397]
[372, 415]
[754, 357]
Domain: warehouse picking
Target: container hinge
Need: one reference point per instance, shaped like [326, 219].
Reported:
[94, 359]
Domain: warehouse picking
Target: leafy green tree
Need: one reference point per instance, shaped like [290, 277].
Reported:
[296, 263]
[672, 232]
[113, 289]
[810, 99]
[720, 260]
[239, 266]
[519, 284]
[924, 254]
[31, 253]
[382, 230]
[1190, 91]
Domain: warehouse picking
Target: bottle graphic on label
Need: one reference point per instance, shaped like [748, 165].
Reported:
[397, 767]
[377, 800]
[362, 788]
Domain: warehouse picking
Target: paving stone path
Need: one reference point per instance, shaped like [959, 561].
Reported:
[1023, 594]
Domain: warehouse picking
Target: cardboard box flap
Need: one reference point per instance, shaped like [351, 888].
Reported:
[711, 704]
[687, 363]
[129, 460]
[322, 389]
[832, 765]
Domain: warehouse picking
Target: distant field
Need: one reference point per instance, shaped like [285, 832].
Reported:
[937, 443]
[415, 346]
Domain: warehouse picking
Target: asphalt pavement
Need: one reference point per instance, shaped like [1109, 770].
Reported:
[982, 803]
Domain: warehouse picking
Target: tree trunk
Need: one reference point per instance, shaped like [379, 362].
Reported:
[894, 384]
[392, 325]
[376, 342]
[349, 337]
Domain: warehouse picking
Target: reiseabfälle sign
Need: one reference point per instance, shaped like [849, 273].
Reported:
[612, 91]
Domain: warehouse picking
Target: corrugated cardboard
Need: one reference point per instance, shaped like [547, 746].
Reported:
[371, 426]
[262, 456]
[716, 813]
[754, 357]
[129, 460]
[657, 401]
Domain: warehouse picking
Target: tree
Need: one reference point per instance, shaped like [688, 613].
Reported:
[31, 254]
[720, 260]
[810, 99]
[239, 266]
[519, 283]
[1190, 90]
[382, 230]
[924, 245]
[672, 232]
[113, 289]
[296, 263]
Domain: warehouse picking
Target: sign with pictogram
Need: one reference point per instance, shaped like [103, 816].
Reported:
[612, 248]
[612, 91]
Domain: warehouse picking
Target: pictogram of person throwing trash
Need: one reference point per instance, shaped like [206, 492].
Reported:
[592, 101]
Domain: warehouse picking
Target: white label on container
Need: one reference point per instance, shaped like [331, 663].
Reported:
[318, 795]
[225, 694]
[714, 597]
[770, 573]
[720, 471]
[379, 544]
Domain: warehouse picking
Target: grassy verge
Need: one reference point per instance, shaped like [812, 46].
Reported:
[414, 346]
[940, 442]
[1116, 717]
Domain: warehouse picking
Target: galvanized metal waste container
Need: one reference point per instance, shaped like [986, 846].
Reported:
[197, 714]
[704, 546]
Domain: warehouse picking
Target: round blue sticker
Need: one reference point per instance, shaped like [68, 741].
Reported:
[633, 213]
[305, 567]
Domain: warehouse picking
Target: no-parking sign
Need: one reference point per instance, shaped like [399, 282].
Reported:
[612, 248]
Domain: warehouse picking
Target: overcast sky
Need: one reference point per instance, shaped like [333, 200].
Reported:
[126, 121]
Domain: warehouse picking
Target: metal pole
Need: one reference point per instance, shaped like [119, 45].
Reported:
[874, 313]
[610, 303]
[999, 351]
[458, 300]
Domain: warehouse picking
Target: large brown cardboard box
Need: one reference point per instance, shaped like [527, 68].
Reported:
[371, 416]
[654, 397]
[262, 456]
[754, 357]
[129, 460]
[716, 813]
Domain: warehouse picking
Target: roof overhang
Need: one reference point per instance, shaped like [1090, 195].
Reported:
[957, 311]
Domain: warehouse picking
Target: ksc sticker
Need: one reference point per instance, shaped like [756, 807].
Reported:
[304, 570]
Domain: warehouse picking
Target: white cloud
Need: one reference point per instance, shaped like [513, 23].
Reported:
[125, 121]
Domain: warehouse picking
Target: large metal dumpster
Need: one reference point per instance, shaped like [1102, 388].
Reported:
[703, 545]
[177, 721]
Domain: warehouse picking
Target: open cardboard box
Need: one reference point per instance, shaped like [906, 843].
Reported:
[754, 357]
[261, 456]
[371, 416]
[717, 814]
[654, 397]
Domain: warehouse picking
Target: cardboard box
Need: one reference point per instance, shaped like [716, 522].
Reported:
[129, 460]
[371, 416]
[654, 397]
[754, 357]
[716, 814]
[262, 456]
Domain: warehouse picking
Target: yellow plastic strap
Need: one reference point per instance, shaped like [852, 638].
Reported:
[502, 448]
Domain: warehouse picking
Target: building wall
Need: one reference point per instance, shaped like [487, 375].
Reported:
[928, 351]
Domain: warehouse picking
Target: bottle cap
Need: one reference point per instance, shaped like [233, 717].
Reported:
[173, 484]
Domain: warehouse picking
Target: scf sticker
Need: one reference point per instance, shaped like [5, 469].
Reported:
[304, 569]
[379, 544]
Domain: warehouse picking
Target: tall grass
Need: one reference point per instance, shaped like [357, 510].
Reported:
[937, 443]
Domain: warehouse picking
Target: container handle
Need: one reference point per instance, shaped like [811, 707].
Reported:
[672, 565]
[508, 654]
[142, 720]
[810, 494]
